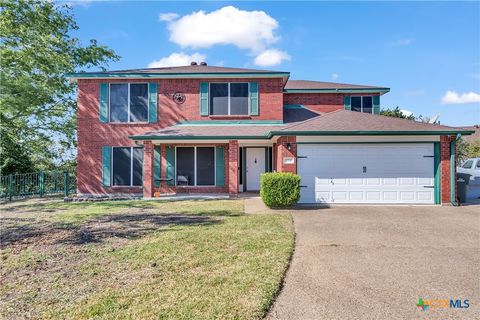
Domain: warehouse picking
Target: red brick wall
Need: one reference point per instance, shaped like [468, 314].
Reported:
[92, 134]
[320, 102]
[232, 181]
[148, 169]
[282, 152]
[445, 168]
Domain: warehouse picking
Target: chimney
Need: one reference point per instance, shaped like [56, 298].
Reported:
[193, 63]
[203, 63]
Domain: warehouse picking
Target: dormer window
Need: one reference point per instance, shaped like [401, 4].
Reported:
[362, 104]
[229, 99]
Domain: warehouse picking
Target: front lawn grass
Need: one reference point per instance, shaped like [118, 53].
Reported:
[141, 260]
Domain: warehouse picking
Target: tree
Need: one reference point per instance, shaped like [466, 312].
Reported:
[467, 149]
[396, 113]
[37, 105]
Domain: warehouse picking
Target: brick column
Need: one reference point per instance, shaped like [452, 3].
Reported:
[282, 152]
[445, 169]
[148, 184]
[233, 167]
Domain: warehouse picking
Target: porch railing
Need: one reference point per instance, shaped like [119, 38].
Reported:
[37, 184]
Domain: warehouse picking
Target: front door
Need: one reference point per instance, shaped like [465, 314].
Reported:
[255, 166]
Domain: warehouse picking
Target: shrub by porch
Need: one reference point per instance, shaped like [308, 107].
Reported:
[280, 189]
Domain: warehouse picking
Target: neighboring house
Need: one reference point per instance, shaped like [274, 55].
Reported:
[204, 129]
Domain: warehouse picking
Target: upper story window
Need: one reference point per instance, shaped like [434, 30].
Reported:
[229, 98]
[362, 104]
[128, 102]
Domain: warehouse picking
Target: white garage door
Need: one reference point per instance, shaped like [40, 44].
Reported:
[366, 173]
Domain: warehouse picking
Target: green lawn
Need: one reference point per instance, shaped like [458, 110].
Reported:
[141, 260]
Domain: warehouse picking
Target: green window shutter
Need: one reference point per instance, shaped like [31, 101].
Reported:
[106, 164]
[170, 153]
[347, 103]
[152, 101]
[156, 166]
[204, 98]
[219, 166]
[376, 104]
[103, 102]
[253, 95]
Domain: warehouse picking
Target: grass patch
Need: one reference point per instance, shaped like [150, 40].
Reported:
[143, 259]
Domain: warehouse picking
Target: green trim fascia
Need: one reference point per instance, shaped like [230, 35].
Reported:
[293, 106]
[177, 75]
[229, 122]
[452, 174]
[364, 133]
[436, 171]
[199, 137]
[343, 90]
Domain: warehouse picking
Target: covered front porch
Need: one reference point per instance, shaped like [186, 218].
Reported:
[175, 168]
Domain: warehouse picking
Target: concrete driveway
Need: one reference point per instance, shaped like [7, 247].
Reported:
[369, 262]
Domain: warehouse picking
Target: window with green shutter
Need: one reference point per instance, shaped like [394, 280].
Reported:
[219, 167]
[204, 98]
[347, 103]
[103, 102]
[170, 169]
[152, 102]
[376, 104]
[106, 165]
[156, 166]
[253, 95]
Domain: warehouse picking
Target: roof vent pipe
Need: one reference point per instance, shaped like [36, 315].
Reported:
[203, 63]
[193, 63]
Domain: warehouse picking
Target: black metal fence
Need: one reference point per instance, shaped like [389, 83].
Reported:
[37, 184]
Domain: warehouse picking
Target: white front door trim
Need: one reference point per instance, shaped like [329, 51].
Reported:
[255, 166]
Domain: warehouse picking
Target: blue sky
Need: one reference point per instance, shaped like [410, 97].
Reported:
[428, 53]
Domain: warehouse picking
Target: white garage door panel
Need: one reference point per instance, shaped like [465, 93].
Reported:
[395, 173]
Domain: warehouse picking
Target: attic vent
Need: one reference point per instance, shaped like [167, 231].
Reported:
[203, 63]
[193, 63]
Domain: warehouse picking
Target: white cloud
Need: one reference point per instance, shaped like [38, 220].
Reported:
[251, 30]
[452, 97]
[167, 16]
[334, 76]
[271, 57]
[177, 59]
[401, 42]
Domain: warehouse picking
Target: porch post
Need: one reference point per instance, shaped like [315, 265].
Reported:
[233, 168]
[148, 183]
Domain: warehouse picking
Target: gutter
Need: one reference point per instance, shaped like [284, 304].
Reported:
[453, 178]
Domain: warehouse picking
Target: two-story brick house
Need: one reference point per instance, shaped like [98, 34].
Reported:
[204, 129]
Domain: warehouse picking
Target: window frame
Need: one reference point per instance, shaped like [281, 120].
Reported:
[128, 99]
[361, 103]
[131, 168]
[229, 97]
[195, 166]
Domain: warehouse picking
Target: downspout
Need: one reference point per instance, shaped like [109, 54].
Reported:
[453, 178]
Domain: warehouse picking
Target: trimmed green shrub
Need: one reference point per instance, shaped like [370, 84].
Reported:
[280, 189]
